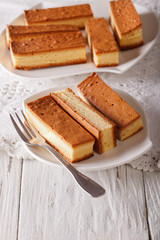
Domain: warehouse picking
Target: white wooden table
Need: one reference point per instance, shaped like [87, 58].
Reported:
[40, 202]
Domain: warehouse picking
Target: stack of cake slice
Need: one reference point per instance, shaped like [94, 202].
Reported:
[51, 39]
[59, 129]
[101, 42]
[52, 36]
[74, 127]
[96, 123]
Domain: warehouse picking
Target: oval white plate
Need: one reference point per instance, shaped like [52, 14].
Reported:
[100, 9]
[125, 152]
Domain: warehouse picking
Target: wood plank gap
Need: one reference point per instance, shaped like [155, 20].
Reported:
[19, 207]
[117, 169]
[146, 207]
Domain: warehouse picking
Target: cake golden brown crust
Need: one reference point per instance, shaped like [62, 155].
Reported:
[17, 33]
[20, 29]
[38, 16]
[108, 102]
[125, 15]
[57, 41]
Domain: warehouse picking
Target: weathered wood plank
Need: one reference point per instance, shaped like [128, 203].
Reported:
[152, 190]
[54, 207]
[10, 178]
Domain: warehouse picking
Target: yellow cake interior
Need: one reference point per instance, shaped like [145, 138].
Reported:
[105, 59]
[131, 129]
[49, 58]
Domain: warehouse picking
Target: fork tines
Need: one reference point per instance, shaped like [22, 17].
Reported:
[25, 126]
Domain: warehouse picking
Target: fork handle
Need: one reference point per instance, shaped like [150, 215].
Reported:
[87, 184]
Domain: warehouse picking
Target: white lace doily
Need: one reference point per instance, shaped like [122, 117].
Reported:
[142, 82]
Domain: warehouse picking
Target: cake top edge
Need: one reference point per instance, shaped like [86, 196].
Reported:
[22, 29]
[49, 14]
[125, 15]
[55, 41]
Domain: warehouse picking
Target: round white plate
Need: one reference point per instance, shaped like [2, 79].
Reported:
[125, 151]
[100, 9]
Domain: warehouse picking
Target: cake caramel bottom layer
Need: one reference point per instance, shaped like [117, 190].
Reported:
[129, 40]
[71, 153]
[130, 130]
[79, 22]
[48, 59]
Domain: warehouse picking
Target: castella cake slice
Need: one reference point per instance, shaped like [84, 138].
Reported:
[96, 123]
[72, 15]
[58, 49]
[102, 43]
[59, 129]
[20, 32]
[106, 100]
[126, 24]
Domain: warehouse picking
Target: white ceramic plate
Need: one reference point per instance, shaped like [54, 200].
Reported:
[100, 9]
[125, 152]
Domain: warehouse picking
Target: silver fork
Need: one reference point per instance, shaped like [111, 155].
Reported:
[32, 138]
